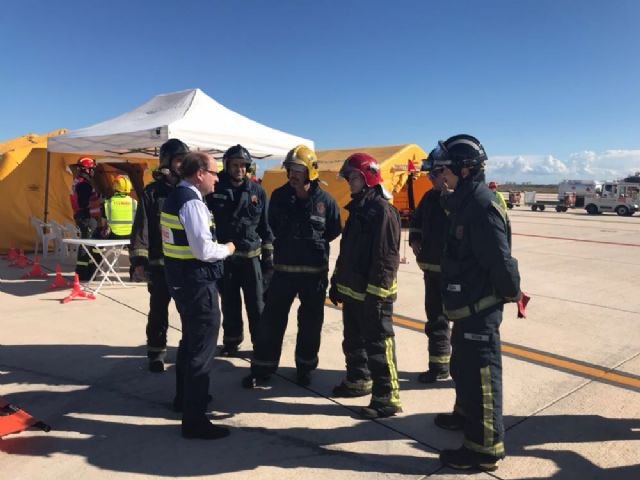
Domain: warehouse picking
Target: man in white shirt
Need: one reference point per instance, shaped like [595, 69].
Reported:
[193, 265]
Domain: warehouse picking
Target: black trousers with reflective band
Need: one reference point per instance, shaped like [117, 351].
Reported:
[85, 268]
[437, 326]
[476, 367]
[158, 317]
[197, 304]
[311, 290]
[369, 347]
[241, 274]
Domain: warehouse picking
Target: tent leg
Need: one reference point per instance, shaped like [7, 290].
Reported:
[46, 188]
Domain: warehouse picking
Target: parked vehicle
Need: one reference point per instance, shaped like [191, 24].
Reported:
[514, 199]
[581, 188]
[619, 197]
[568, 201]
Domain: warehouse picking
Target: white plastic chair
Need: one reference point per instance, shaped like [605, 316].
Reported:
[44, 234]
[61, 232]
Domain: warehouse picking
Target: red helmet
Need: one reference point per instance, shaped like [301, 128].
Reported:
[86, 164]
[366, 165]
[493, 185]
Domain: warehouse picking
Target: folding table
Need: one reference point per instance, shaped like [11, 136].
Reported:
[104, 254]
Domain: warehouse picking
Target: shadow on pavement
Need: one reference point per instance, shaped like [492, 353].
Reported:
[105, 407]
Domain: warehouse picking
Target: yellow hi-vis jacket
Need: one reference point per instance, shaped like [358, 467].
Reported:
[120, 210]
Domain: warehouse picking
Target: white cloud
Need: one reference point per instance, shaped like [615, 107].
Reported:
[586, 165]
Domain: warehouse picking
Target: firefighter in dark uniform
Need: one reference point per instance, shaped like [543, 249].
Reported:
[146, 249]
[426, 237]
[239, 208]
[479, 276]
[193, 265]
[304, 219]
[86, 204]
[365, 282]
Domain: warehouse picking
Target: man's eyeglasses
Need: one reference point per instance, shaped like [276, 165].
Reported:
[215, 174]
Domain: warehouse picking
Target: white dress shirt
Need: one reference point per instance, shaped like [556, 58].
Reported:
[195, 217]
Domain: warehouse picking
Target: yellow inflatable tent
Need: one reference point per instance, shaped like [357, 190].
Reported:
[25, 193]
[393, 160]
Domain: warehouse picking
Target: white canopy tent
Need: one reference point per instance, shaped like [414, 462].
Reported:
[190, 115]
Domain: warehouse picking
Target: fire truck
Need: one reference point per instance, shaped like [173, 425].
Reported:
[621, 197]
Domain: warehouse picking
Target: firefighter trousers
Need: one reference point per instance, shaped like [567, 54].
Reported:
[311, 289]
[476, 367]
[369, 347]
[158, 317]
[85, 268]
[241, 274]
[437, 326]
[197, 304]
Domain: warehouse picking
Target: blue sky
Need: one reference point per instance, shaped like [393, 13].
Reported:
[551, 87]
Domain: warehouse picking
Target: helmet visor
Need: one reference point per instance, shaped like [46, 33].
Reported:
[440, 156]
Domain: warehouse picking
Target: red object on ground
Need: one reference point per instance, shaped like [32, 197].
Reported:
[522, 305]
[20, 261]
[14, 420]
[12, 254]
[77, 292]
[59, 281]
[36, 271]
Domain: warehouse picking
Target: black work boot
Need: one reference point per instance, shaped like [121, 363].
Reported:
[449, 421]
[204, 431]
[303, 378]
[379, 410]
[228, 351]
[432, 376]
[465, 459]
[349, 389]
[254, 381]
[156, 360]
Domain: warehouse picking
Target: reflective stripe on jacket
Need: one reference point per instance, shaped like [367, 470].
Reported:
[302, 229]
[369, 249]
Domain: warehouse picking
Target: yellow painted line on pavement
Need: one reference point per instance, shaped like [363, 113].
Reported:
[566, 364]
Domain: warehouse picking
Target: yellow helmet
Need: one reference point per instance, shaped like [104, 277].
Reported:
[122, 184]
[303, 155]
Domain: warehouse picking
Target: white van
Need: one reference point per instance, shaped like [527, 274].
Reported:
[581, 188]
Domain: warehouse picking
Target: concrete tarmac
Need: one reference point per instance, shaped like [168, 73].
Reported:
[571, 379]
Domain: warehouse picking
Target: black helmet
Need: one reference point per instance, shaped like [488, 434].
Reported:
[459, 151]
[237, 151]
[170, 149]
[428, 164]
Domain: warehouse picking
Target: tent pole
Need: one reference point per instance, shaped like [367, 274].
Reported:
[46, 188]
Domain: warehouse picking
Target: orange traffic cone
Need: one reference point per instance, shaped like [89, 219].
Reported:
[36, 271]
[11, 255]
[59, 281]
[20, 261]
[77, 292]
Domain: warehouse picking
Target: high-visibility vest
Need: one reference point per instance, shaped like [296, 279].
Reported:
[120, 211]
[178, 256]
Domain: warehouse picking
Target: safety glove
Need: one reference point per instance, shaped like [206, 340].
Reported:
[334, 296]
[266, 263]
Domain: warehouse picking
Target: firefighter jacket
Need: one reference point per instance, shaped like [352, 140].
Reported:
[180, 261]
[240, 216]
[302, 229]
[146, 239]
[428, 227]
[85, 201]
[369, 249]
[478, 270]
[120, 210]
